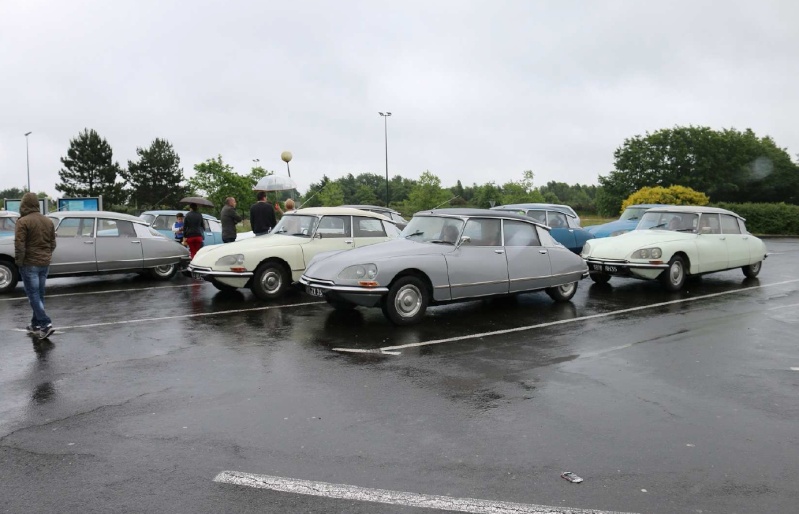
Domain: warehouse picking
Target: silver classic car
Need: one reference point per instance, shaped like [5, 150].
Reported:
[443, 256]
[99, 242]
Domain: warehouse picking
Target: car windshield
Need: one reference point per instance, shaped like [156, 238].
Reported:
[433, 229]
[632, 213]
[148, 218]
[667, 220]
[296, 225]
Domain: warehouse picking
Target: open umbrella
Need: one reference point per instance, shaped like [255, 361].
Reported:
[275, 183]
[199, 200]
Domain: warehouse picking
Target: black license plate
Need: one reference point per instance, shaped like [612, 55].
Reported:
[314, 291]
[611, 269]
[604, 268]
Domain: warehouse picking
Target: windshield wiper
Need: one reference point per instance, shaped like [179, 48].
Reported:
[658, 226]
[417, 233]
[441, 241]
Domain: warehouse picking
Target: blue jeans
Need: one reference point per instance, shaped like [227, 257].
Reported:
[33, 278]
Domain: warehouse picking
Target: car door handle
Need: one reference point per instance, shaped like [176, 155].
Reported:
[571, 230]
[542, 252]
[722, 238]
[499, 251]
[348, 241]
[88, 242]
[135, 242]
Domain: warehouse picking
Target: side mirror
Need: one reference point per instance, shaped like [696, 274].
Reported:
[463, 240]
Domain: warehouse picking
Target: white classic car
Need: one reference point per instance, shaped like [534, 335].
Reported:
[671, 243]
[269, 263]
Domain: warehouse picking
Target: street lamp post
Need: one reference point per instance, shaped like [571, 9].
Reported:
[28, 159]
[286, 156]
[385, 132]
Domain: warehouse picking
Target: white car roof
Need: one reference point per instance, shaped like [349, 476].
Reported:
[693, 209]
[95, 214]
[342, 211]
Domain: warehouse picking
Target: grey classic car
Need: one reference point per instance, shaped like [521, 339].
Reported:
[98, 242]
[443, 256]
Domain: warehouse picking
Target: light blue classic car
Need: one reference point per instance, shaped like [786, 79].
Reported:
[162, 221]
[563, 222]
[447, 255]
[627, 222]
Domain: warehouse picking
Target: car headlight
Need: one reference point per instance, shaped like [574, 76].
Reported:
[230, 260]
[647, 253]
[359, 272]
[586, 250]
[618, 233]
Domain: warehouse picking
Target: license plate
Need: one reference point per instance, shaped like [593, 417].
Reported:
[314, 291]
[611, 269]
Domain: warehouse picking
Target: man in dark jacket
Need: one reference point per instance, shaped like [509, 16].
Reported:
[262, 215]
[193, 232]
[229, 217]
[34, 243]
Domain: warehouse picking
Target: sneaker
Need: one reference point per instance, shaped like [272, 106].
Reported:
[31, 329]
[45, 332]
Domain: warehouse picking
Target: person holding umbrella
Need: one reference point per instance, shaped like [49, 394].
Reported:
[193, 232]
[262, 215]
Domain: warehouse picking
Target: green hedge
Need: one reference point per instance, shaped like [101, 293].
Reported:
[767, 218]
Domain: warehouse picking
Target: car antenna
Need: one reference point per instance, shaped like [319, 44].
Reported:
[442, 203]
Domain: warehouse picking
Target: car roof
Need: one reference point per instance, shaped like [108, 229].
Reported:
[94, 214]
[371, 208]
[342, 211]
[9, 214]
[172, 212]
[698, 209]
[647, 205]
[565, 209]
[466, 212]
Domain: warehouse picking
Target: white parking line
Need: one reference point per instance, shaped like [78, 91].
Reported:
[427, 501]
[129, 290]
[180, 316]
[393, 350]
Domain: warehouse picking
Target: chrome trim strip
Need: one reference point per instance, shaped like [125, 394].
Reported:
[471, 284]
[627, 264]
[212, 273]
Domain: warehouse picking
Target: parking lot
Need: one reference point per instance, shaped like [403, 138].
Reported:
[150, 391]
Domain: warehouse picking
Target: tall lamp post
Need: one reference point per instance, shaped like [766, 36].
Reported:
[385, 132]
[28, 159]
[286, 156]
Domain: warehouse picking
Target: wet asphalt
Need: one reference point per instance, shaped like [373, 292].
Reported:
[663, 402]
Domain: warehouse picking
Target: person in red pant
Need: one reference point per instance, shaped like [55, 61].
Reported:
[193, 232]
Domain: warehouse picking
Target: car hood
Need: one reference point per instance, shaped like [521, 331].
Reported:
[612, 226]
[247, 246]
[327, 267]
[621, 246]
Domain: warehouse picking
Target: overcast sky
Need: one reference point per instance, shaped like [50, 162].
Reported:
[479, 91]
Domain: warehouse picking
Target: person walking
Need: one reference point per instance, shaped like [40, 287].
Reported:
[229, 218]
[193, 232]
[262, 215]
[34, 243]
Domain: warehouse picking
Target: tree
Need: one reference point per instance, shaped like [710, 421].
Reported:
[12, 193]
[727, 165]
[89, 169]
[216, 181]
[427, 193]
[672, 195]
[156, 179]
[332, 195]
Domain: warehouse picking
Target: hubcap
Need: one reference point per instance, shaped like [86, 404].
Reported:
[408, 301]
[5, 276]
[567, 289]
[271, 281]
[676, 273]
[756, 267]
[164, 270]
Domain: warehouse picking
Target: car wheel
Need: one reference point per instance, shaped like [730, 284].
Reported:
[8, 276]
[562, 293]
[341, 305]
[165, 272]
[222, 287]
[752, 270]
[270, 281]
[673, 277]
[600, 278]
[406, 301]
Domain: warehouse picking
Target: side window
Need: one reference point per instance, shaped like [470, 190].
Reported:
[729, 224]
[334, 226]
[539, 216]
[206, 225]
[368, 227]
[484, 232]
[742, 226]
[709, 224]
[76, 227]
[545, 237]
[391, 229]
[518, 233]
[115, 228]
[557, 220]
[164, 222]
